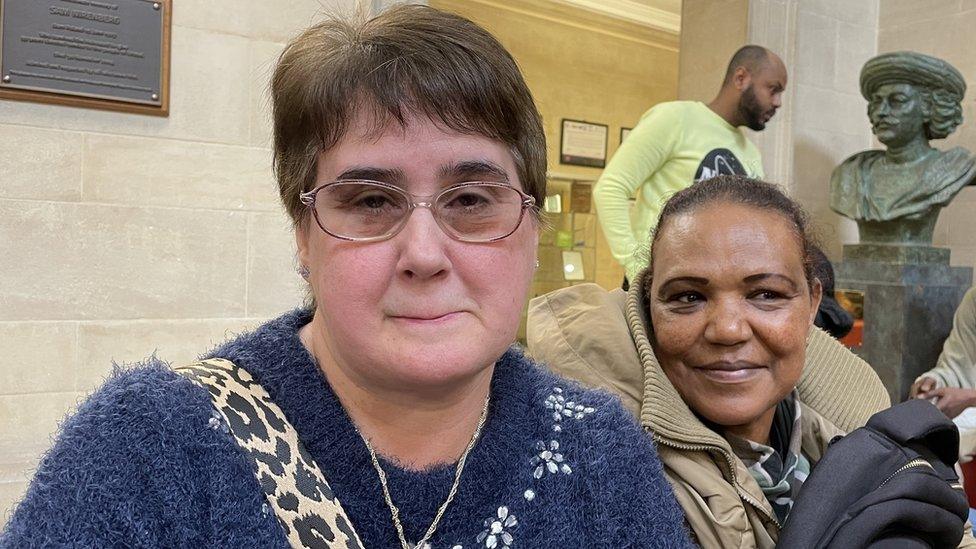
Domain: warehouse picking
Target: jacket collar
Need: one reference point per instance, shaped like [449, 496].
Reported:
[662, 410]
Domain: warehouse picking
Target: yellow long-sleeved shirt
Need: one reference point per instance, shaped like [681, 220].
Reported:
[673, 145]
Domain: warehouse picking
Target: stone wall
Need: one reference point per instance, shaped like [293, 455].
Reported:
[828, 117]
[127, 235]
[941, 28]
[710, 33]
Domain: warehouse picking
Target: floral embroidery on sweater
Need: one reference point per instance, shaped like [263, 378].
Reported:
[498, 530]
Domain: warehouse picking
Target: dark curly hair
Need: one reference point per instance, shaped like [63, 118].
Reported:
[945, 112]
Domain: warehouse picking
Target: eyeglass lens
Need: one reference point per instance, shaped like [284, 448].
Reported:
[478, 212]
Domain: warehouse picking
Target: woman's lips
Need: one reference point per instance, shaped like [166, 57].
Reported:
[426, 318]
[730, 372]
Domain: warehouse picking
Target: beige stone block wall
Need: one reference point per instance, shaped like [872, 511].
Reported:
[125, 236]
[711, 31]
[829, 117]
[942, 28]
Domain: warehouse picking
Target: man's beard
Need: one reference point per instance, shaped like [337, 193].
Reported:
[750, 111]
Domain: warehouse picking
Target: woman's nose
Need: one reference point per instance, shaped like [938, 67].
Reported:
[726, 324]
[422, 246]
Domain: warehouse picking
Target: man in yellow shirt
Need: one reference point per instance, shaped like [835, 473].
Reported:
[679, 142]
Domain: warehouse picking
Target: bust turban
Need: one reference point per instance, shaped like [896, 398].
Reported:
[911, 68]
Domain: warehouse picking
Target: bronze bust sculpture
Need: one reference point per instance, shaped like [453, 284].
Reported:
[895, 195]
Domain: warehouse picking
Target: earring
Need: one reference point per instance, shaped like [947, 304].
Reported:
[537, 265]
[303, 271]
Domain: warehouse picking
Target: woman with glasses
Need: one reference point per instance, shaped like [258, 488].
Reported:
[393, 411]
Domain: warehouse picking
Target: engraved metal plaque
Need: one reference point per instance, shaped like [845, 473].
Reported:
[109, 54]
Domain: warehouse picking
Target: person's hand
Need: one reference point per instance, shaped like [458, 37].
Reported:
[921, 387]
[952, 400]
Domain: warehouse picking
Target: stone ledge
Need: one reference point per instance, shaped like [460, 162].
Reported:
[896, 254]
[872, 272]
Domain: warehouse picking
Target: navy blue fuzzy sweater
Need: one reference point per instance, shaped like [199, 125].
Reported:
[139, 465]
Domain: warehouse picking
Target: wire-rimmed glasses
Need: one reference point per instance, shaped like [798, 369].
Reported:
[369, 211]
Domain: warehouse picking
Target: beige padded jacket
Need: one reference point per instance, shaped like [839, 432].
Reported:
[599, 338]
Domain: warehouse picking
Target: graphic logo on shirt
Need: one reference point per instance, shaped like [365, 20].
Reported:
[719, 162]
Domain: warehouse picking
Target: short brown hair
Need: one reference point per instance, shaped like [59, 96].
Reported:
[408, 60]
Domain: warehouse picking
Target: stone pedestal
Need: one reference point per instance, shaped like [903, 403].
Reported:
[910, 296]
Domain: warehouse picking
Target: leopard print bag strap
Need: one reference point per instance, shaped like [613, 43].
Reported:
[307, 509]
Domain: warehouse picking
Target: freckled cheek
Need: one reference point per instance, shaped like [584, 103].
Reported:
[786, 336]
[675, 335]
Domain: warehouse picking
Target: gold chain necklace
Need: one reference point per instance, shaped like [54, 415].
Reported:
[395, 511]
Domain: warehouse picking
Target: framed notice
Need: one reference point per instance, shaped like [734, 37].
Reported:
[624, 132]
[583, 143]
[100, 54]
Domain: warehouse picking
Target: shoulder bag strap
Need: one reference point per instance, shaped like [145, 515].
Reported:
[293, 484]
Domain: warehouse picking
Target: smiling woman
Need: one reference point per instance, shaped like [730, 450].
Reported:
[714, 348]
[732, 299]
[394, 411]
[715, 343]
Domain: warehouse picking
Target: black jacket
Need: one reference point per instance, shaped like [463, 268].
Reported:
[890, 483]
